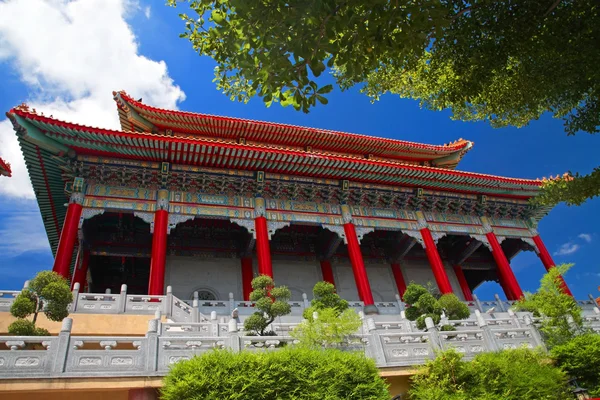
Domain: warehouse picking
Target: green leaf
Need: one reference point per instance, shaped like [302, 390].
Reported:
[325, 89]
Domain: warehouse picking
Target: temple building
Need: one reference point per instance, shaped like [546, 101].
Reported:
[203, 203]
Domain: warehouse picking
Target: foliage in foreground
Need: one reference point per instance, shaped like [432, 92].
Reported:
[505, 62]
[270, 301]
[580, 359]
[334, 323]
[520, 374]
[49, 293]
[283, 374]
[560, 316]
[423, 304]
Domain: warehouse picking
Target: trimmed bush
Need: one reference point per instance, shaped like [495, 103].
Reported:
[284, 374]
[520, 374]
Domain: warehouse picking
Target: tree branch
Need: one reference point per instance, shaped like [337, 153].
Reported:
[552, 7]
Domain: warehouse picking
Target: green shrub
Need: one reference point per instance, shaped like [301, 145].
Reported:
[329, 329]
[520, 374]
[22, 327]
[580, 359]
[284, 374]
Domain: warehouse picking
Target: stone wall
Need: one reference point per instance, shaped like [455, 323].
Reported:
[222, 276]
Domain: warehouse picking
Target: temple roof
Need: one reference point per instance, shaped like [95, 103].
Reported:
[47, 143]
[5, 168]
[137, 116]
[64, 138]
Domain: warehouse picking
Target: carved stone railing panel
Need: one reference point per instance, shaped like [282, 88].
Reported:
[514, 338]
[98, 303]
[189, 329]
[468, 342]
[101, 355]
[387, 307]
[142, 304]
[27, 356]
[180, 311]
[409, 348]
[7, 297]
[174, 349]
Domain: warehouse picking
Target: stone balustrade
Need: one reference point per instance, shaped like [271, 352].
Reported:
[198, 310]
[392, 343]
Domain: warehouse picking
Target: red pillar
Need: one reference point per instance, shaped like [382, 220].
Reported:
[263, 249]
[358, 268]
[247, 277]
[439, 272]
[68, 236]
[462, 281]
[505, 272]
[81, 267]
[156, 286]
[399, 278]
[327, 271]
[549, 262]
[507, 292]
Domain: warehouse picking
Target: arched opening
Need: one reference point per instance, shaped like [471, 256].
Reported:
[296, 252]
[119, 245]
[204, 253]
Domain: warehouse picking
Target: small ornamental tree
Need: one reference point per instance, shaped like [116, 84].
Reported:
[49, 293]
[270, 301]
[335, 322]
[286, 374]
[423, 304]
[561, 317]
[325, 297]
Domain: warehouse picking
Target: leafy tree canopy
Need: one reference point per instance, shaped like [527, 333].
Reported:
[505, 62]
[49, 293]
[580, 358]
[560, 316]
[335, 322]
[423, 304]
[270, 301]
[284, 374]
[520, 374]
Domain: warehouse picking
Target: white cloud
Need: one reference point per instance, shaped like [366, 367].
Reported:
[567, 248]
[586, 237]
[20, 231]
[147, 11]
[72, 55]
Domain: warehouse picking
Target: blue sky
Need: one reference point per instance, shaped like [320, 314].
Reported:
[79, 51]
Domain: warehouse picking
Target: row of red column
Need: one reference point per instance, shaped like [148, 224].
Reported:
[156, 285]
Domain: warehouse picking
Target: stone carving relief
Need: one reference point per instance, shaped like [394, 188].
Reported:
[175, 219]
[362, 231]
[483, 240]
[147, 218]
[399, 352]
[415, 235]
[246, 223]
[530, 242]
[274, 226]
[337, 229]
[88, 213]
[90, 361]
[121, 361]
[27, 362]
[437, 236]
